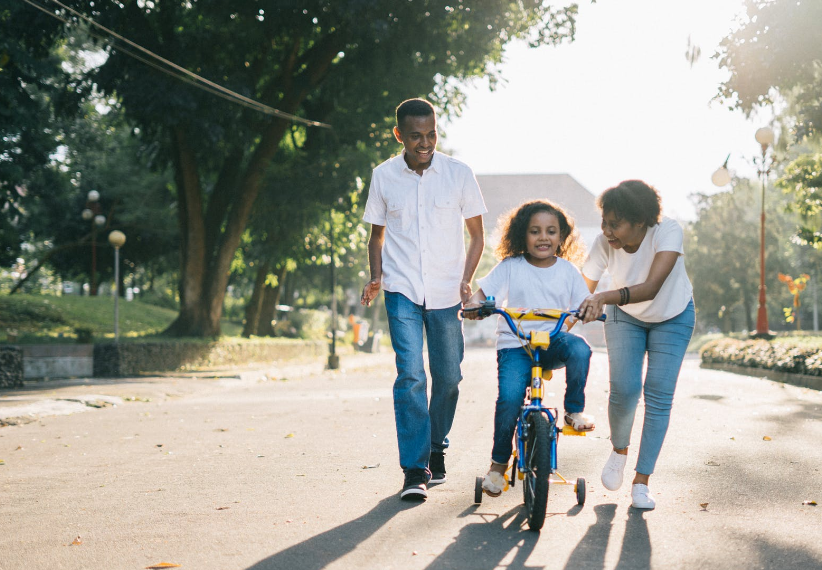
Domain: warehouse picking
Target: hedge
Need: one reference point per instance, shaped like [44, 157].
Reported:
[11, 367]
[134, 358]
[763, 354]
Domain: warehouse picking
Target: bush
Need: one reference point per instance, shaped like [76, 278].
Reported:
[784, 355]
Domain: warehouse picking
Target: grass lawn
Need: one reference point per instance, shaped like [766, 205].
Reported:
[46, 318]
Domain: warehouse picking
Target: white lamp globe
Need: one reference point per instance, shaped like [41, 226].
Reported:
[721, 177]
[87, 214]
[117, 238]
[764, 136]
[93, 196]
[99, 219]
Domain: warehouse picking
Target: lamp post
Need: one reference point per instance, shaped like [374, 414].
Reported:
[92, 213]
[117, 239]
[333, 358]
[765, 138]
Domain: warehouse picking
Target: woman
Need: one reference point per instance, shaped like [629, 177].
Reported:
[651, 311]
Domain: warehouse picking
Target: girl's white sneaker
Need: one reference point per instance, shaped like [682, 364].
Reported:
[641, 497]
[612, 472]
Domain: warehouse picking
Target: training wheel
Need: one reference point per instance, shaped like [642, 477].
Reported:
[580, 489]
[478, 490]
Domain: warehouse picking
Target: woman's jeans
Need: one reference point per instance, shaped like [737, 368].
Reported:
[423, 428]
[514, 375]
[629, 340]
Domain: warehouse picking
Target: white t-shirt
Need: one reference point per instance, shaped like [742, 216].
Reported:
[423, 256]
[628, 269]
[516, 283]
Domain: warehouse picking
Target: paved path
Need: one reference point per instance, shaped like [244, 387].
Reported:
[297, 468]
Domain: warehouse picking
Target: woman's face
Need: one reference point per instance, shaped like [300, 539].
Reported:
[621, 233]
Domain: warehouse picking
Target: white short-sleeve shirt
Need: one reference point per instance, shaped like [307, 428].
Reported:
[628, 269]
[423, 256]
[514, 282]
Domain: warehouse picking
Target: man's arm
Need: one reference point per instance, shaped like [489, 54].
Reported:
[375, 241]
[476, 244]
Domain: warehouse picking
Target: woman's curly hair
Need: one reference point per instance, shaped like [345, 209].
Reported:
[632, 200]
[515, 224]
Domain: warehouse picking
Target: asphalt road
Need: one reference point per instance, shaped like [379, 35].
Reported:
[298, 468]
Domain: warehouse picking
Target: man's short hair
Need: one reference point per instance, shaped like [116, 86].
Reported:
[413, 108]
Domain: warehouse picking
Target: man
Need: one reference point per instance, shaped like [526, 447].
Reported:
[416, 205]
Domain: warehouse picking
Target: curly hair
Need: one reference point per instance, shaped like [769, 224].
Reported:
[514, 226]
[632, 200]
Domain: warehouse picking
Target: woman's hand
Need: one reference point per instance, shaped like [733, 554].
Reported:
[592, 307]
[370, 292]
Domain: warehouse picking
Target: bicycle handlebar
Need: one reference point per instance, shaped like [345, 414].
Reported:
[489, 308]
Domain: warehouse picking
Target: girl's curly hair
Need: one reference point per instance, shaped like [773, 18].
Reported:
[515, 224]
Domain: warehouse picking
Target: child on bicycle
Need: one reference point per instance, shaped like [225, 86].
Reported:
[538, 244]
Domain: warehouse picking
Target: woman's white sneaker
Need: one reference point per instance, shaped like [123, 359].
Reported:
[612, 472]
[641, 497]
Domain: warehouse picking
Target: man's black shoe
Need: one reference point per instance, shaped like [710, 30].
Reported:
[436, 463]
[415, 487]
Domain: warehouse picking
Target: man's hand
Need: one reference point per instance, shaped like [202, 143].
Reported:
[465, 291]
[370, 292]
[472, 315]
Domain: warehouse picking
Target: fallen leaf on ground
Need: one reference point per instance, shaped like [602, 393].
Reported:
[414, 553]
[704, 506]
[77, 541]
[2, 462]
[222, 508]
[811, 503]
[221, 429]
[163, 565]
[370, 466]
[289, 435]
[712, 463]
[766, 438]
[19, 447]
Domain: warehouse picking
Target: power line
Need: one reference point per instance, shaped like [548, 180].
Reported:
[191, 79]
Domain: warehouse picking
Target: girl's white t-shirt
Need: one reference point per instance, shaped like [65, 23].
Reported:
[628, 269]
[516, 283]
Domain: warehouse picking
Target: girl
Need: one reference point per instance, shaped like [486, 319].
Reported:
[537, 246]
[642, 250]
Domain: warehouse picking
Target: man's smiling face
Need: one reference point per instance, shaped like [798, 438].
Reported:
[419, 137]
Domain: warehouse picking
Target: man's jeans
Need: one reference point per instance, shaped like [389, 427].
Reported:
[628, 341]
[567, 351]
[423, 428]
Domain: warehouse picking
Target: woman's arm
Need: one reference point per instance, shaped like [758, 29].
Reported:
[661, 267]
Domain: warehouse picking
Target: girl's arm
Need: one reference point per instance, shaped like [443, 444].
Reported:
[661, 267]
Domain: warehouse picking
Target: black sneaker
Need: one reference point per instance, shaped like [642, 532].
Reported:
[436, 463]
[415, 487]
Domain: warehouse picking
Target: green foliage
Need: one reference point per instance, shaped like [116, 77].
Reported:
[802, 179]
[776, 50]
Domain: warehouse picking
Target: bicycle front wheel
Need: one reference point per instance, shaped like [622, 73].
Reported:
[538, 469]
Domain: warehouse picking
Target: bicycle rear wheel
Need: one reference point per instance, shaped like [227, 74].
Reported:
[538, 469]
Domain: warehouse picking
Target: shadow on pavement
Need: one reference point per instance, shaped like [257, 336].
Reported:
[321, 550]
[590, 551]
[484, 545]
[636, 544]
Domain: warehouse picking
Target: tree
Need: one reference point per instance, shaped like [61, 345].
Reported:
[726, 235]
[300, 57]
[776, 50]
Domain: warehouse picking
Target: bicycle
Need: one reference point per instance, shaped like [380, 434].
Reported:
[535, 454]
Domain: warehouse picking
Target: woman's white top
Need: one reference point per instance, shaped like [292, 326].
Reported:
[628, 269]
[516, 283]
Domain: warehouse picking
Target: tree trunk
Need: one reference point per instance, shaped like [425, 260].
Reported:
[746, 303]
[252, 310]
[271, 299]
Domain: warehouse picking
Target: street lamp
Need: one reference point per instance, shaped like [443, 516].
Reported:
[117, 239]
[765, 138]
[91, 213]
[721, 177]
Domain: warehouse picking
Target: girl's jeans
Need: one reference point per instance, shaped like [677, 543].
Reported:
[629, 340]
[423, 428]
[514, 373]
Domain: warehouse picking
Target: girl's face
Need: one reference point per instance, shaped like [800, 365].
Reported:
[542, 239]
[622, 234]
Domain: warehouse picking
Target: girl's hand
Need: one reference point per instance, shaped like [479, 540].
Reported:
[472, 315]
[592, 307]
[370, 292]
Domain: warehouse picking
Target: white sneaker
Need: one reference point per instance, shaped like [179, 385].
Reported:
[641, 497]
[612, 472]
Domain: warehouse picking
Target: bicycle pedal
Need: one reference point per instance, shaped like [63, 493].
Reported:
[568, 430]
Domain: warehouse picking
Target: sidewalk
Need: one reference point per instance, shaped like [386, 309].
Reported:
[66, 396]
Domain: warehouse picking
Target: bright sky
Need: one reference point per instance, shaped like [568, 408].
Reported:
[620, 102]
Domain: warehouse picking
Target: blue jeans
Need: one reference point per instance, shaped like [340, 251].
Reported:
[423, 428]
[514, 375]
[629, 340]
